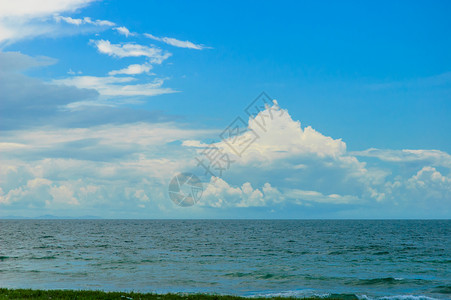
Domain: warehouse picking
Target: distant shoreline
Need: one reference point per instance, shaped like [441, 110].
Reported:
[88, 294]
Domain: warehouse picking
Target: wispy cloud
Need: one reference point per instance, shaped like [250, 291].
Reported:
[85, 20]
[28, 102]
[124, 31]
[435, 157]
[155, 55]
[98, 22]
[116, 86]
[15, 62]
[134, 69]
[68, 20]
[25, 99]
[177, 43]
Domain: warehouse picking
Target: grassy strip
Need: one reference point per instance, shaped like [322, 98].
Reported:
[71, 294]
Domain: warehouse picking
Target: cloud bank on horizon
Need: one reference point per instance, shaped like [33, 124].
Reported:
[80, 143]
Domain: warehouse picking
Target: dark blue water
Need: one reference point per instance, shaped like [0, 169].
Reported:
[371, 259]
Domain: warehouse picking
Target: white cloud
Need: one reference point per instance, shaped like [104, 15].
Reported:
[12, 146]
[177, 43]
[88, 20]
[32, 193]
[68, 20]
[428, 191]
[31, 8]
[124, 31]
[116, 86]
[134, 135]
[141, 195]
[300, 196]
[219, 193]
[280, 138]
[182, 44]
[62, 194]
[28, 18]
[139, 175]
[310, 167]
[128, 167]
[193, 143]
[71, 72]
[85, 20]
[132, 70]
[430, 184]
[436, 157]
[155, 55]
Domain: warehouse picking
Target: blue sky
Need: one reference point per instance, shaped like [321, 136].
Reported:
[105, 101]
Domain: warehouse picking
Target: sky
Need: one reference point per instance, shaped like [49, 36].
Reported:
[281, 109]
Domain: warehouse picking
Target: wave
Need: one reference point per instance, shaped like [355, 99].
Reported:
[288, 294]
[442, 289]
[257, 275]
[44, 257]
[388, 281]
[378, 281]
[398, 297]
[344, 296]
[381, 253]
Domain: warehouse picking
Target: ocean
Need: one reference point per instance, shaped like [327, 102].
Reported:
[373, 259]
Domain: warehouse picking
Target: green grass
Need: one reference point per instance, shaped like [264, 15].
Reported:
[71, 294]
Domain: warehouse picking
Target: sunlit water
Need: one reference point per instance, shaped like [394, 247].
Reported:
[367, 258]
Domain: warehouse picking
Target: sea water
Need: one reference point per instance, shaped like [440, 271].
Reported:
[369, 258]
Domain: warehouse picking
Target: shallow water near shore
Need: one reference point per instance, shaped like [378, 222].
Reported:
[372, 259]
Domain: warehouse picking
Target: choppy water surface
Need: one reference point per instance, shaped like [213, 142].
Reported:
[368, 258]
